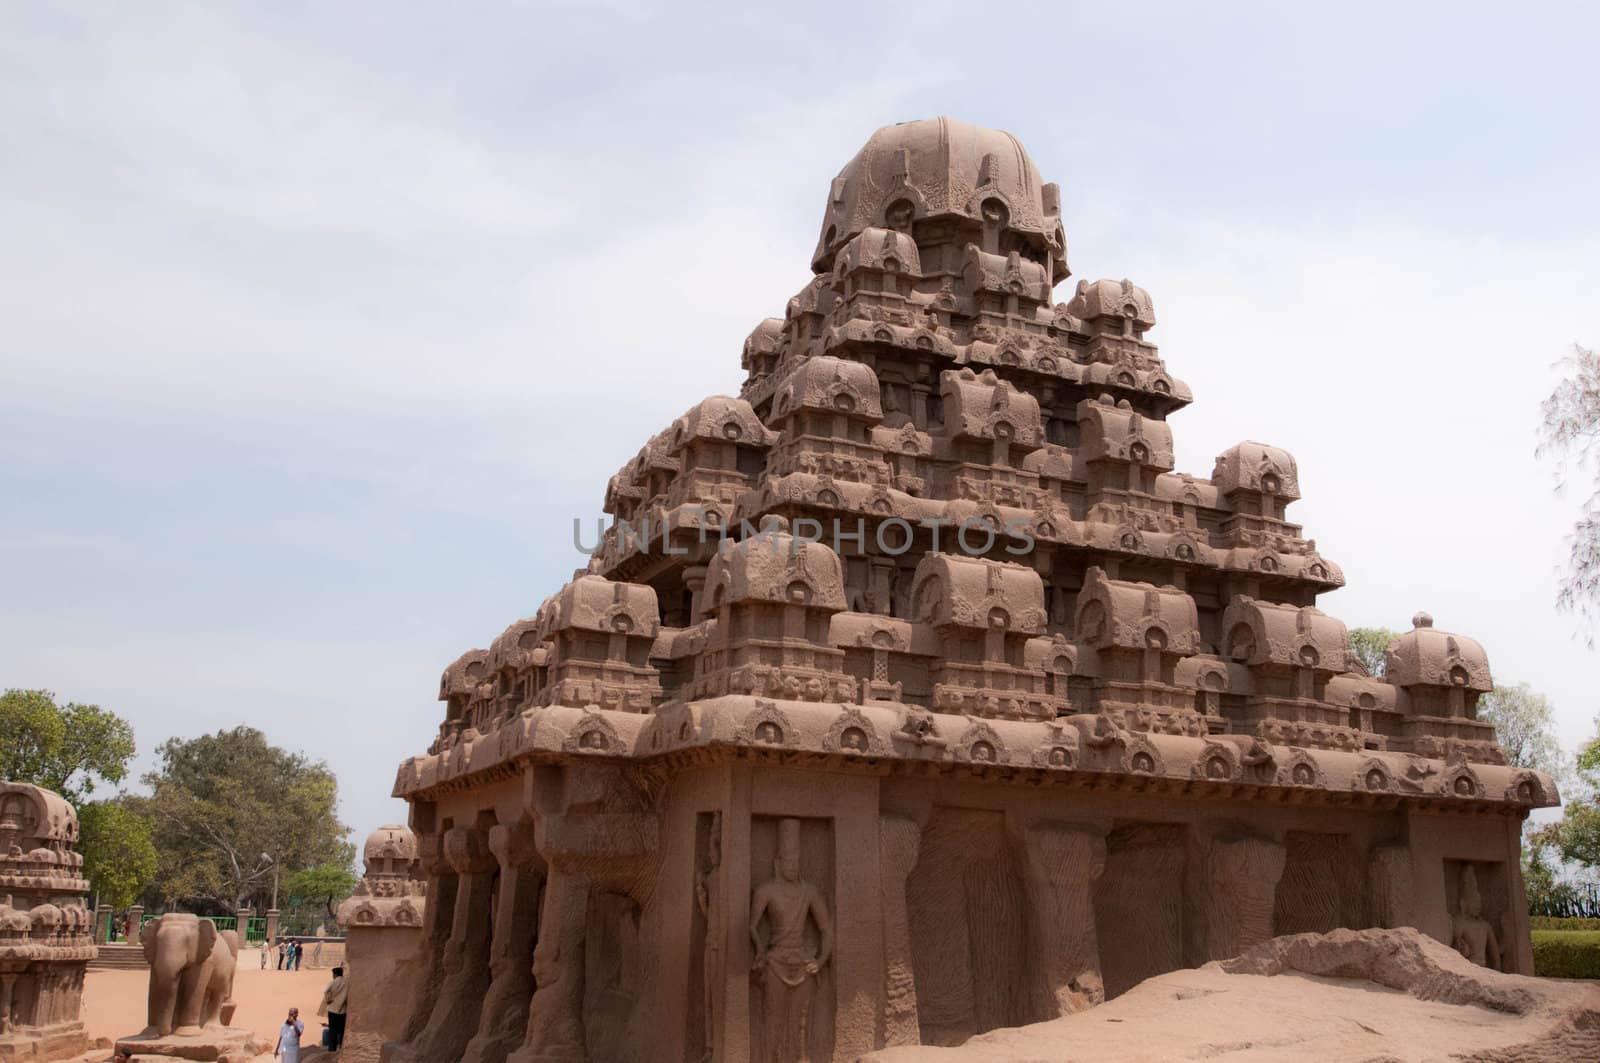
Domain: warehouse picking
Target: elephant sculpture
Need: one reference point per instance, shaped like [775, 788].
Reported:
[191, 972]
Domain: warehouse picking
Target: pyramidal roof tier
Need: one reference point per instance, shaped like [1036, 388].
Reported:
[942, 520]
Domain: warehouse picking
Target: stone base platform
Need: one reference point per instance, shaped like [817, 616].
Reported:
[37, 1044]
[216, 1044]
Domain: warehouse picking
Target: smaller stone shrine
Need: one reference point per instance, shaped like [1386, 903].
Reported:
[383, 934]
[46, 932]
[191, 1006]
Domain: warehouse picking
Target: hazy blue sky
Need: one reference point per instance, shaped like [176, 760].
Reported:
[320, 323]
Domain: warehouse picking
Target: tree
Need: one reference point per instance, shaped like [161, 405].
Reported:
[1369, 645]
[119, 855]
[1524, 723]
[66, 748]
[326, 883]
[229, 809]
[1570, 431]
[1576, 836]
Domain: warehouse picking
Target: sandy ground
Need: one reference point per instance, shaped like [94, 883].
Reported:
[1206, 1014]
[114, 1001]
[1399, 997]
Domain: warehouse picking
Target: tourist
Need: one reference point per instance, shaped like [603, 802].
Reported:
[283, 953]
[335, 1001]
[289, 1038]
[266, 947]
[296, 950]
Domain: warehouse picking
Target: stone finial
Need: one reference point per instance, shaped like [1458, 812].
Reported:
[1422, 619]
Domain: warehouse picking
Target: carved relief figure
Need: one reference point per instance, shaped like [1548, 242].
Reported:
[1470, 933]
[708, 895]
[786, 962]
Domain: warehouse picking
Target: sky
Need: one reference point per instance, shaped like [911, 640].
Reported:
[320, 324]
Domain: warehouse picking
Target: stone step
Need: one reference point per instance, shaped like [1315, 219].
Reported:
[120, 957]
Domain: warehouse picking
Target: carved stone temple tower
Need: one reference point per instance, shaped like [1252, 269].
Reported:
[914, 693]
[382, 921]
[46, 932]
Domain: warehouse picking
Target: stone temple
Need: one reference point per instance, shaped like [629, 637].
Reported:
[46, 938]
[914, 693]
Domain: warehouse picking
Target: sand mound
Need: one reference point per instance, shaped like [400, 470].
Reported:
[1350, 996]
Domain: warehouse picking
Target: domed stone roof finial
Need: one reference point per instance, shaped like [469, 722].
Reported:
[1422, 619]
[947, 170]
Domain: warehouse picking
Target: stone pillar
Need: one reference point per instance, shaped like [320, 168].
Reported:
[466, 955]
[1390, 888]
[881, 580]
[899, 840]
[694, 578]
[242, 922]
[1516, 929]
[102, 923]
[8, 989]
[505, 1006]
[555, 1015]
[1062, 863]
[272, 924]
[437, 920]
[1237, 887]
[924, 406]
[135, 923]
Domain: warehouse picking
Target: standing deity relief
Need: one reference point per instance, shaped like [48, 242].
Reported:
[785, 912]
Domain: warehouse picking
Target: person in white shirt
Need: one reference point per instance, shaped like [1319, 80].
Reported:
[289, 1038]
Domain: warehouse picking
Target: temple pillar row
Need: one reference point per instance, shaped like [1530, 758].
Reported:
[555, 1012]
[466, 954]
[437, 922]
[516, 919]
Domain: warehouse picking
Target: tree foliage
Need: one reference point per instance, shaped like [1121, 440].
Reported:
[66, 748]
[1576, 836]
[325, 884]
[118, 847]
[229, 808]
[1524, 724]
[1570, 431]
[1369, 645]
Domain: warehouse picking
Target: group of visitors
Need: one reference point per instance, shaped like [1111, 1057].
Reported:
[335, 1003]
[289, 954]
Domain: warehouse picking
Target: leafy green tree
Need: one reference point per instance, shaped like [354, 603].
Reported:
[66, 748]
[1369, 645]
[230, 810]
[119, 853]
[1539, 876]
[1576, 836]
[326, 884]
[1524, 723]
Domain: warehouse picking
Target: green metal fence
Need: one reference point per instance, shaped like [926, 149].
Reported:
[255, 928]
[224, 922]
